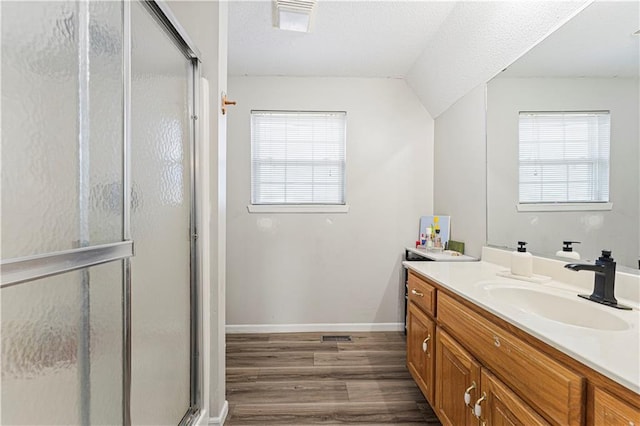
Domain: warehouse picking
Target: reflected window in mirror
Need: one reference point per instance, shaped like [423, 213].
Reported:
[564, 157]
[591, 63]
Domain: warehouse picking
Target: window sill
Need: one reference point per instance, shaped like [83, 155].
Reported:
[298, 208]
[564, 207]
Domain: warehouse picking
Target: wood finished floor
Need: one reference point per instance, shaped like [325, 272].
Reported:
[295, 379]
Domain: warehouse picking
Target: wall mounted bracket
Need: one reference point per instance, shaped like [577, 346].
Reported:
[225, 103]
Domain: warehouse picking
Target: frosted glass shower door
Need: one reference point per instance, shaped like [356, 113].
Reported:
[62, 125]
[98, 142]
[62, 200]
[160, 224]
[49, 377]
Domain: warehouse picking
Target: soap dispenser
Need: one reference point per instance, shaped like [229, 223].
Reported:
[522, 261]
[567, 250]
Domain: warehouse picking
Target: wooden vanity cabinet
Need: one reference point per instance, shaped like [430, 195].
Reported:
[503, 407]
[518, 379]
[456, 372]
[421, 334]
[421, 337]
[554, 390]
[609, 411]
[422, 294]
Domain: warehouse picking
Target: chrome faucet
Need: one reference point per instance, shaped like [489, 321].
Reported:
[605, 280]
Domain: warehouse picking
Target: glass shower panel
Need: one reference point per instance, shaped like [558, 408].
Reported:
[105, 123]
[42, 355]
[61, 125]
[160, 221]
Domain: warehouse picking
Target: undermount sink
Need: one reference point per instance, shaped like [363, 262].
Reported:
[566, 309]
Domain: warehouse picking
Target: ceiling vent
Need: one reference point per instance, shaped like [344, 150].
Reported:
[293, 15]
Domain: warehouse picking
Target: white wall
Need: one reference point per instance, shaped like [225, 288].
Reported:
[618, 229]
[288, 269]
[460, 169]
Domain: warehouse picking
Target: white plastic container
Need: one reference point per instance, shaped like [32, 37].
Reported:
[522, 261]
[567, 250]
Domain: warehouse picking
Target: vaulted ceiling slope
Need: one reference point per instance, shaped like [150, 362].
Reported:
[477, 41]
[598, 42]
[443, 48]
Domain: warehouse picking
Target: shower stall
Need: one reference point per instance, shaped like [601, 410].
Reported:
[99, 295]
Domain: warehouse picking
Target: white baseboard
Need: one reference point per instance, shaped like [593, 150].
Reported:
[222, 416]
[301, 328]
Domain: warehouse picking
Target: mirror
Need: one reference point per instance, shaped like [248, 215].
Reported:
[589, 64]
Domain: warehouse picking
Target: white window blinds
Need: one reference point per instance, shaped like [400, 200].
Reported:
[564, 157]
[298, 157]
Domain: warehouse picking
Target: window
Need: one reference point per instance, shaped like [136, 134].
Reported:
[298, 158]
[564, 157]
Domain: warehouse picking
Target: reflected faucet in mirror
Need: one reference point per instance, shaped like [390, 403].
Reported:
[604, 281]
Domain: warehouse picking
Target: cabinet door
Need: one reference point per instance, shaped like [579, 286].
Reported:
[609, 411]
[503, 407]
[421, 335]
[456, 372]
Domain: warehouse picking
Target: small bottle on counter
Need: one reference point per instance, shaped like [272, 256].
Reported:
[522, 261]
[567, 250]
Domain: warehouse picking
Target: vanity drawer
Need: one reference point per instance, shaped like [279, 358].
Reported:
[421, 293]
[553, 390]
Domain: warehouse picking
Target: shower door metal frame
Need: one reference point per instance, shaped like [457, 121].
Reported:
[126, 220]
[16, 271]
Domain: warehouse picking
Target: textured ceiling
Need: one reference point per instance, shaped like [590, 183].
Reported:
[477, 41]
[349, 38]
[443, 48]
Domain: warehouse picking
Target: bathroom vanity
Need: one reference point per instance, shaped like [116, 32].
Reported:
[423, 255]
[488, 350]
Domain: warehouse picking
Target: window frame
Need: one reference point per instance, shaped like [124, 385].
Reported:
[293, 207]
[565, 205]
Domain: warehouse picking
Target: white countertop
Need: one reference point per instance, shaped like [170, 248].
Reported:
[615, 354]
[440, 256]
